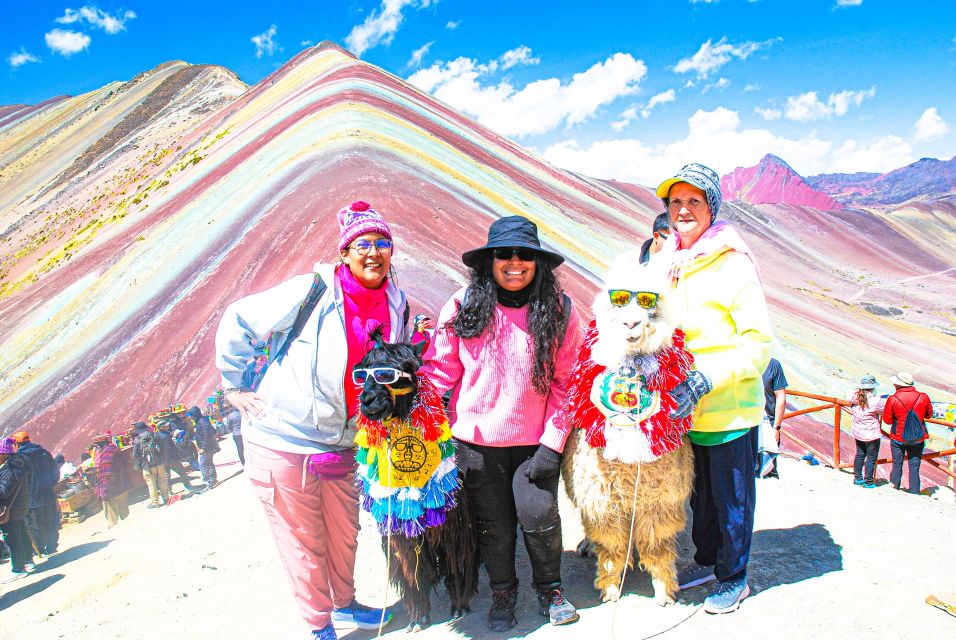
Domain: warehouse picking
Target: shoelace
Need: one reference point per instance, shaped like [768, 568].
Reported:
[555, 597]
[501, 599]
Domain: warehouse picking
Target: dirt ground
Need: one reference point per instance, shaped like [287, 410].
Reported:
[829, 560]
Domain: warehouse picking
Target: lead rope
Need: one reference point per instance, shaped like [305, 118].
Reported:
[388, 536]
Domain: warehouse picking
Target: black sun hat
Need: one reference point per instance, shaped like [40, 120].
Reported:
[510, 231]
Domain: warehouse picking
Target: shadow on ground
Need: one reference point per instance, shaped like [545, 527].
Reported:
[71, 554]
[10, 598]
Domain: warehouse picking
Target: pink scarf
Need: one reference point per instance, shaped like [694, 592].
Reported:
[719, 237]
[365, 310]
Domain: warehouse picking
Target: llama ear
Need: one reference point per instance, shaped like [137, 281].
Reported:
[418, 348]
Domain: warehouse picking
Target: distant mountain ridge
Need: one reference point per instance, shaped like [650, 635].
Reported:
[926, 178]
[773, 181]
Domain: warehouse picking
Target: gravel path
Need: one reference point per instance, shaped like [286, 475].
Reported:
[829, 560]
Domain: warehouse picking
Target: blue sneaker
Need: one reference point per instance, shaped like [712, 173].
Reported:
[869, 485]
[727, 596]
[859, 482]
[325, 633]
[694, 575]
[358, 616]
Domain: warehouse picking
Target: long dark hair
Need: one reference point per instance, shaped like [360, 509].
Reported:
[546, 319]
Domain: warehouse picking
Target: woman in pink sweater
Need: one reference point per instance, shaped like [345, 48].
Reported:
[504, 346]
[866, 410]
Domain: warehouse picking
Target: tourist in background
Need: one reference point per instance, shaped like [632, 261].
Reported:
[906, 411]
[43, 519]
[112, 479]
[207, 439]
[233, 420]
[866, 409]
[303, 413]
[775, 405]
[149, 457]
[15, 502]
[175, 453]
[719, 301]
[660, 232]
[504, 346]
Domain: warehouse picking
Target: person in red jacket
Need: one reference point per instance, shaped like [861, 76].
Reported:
[897, 408]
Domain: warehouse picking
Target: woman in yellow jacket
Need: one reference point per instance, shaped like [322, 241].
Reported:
[720, 300]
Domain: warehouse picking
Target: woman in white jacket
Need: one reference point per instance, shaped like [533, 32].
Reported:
[301, 417]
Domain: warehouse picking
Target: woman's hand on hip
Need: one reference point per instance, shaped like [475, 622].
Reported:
[249, 403]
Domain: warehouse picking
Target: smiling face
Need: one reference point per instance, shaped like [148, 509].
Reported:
[369, 269]
[513, 274]
[689, 212]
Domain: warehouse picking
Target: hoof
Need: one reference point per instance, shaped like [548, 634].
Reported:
[611, 594]
[585, 549]
[663, 601]
[458, 614]
[414, 626]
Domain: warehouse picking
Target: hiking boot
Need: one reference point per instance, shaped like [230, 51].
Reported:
[358, 616]
[325, 633]
[552, 604]
[153, 506]
[859, 482]
[694, 575]
[726, 597]
[501, 616]
[15, 575]
[869, 485]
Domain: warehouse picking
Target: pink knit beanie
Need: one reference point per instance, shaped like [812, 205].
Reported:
[358, 219]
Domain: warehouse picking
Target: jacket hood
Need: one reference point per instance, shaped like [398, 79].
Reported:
[16, 462]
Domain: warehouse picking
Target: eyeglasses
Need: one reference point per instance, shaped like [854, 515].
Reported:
[507, 253]
[623, 297]
[693, 204]
[381, 375]
[362, 247]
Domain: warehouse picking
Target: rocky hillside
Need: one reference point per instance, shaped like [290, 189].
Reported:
[772, 181]
[928, 179]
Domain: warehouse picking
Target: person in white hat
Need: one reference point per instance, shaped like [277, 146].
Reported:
[906, 412]
[866, 409]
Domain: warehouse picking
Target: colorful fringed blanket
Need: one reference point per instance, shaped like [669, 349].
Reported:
[626, 411]
[407, 469]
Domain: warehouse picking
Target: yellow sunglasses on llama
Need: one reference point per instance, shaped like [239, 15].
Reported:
[623, 297]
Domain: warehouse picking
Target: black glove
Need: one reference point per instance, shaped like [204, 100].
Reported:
[688, 393]
[546, 463]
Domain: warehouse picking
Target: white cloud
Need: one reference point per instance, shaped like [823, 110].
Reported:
[306, 43]
[21, 57]
[520, 56]
[704, 1]
[930, 126]
[451, 25]
[108, 22]
[627, 116]
[711, 57]
[539, 106]
[419, 53]
[849, 3]
[721, 84]
[751, 88]
[768, 114]
[65, 42]
[265, 44]
[661, 98]
[380, 26]
[882, 155]
[807, 106]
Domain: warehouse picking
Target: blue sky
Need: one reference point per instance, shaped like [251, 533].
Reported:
[628, 90]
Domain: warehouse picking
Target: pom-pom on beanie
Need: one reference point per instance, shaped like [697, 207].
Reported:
[358, 219]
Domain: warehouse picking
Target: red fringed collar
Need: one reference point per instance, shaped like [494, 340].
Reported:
[663, 433]
[428, 416]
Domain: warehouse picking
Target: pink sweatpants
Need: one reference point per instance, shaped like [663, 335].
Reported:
[315, 524]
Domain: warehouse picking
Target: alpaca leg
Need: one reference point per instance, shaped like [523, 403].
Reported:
[611, 554]
[656, 546]
[455, 546]
[412, 572]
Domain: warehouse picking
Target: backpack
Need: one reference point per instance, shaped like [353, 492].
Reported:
[316, 291]
[151, 449]
[914, 429]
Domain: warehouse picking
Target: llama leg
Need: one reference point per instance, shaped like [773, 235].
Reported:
[610, 552]
[413, 574]
[655, 541]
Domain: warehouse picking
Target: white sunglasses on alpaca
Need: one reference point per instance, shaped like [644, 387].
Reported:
[381, 375]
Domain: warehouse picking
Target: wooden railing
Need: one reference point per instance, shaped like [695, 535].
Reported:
[838, 406]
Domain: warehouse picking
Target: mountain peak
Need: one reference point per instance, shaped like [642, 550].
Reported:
[773, 181]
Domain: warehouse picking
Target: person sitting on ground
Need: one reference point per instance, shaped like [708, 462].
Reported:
[43, 519]
[865, 410]
[207, 439]
[661, 231]
[149, 456]
[906, 412]
[112, 480]
[775, 394]
[15, 500]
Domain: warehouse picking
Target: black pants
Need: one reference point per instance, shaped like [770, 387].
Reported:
[503, 497]
[207, 467]
[914, 453]
[43, 525]
[177, 466]
[237, 438]
[723, 502]
[866, 452]
[21, 550]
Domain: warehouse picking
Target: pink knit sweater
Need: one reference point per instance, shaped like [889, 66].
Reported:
[493, 402]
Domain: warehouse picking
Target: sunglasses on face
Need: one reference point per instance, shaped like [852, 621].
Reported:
[623, 297]
[381, 375]
[507, 253]
[362, 247]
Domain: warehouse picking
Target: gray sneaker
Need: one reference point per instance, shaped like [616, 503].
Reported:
[727, 596]
[694, 575]
[553, 605]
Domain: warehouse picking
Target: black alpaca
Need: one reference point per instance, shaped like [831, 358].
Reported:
[448, 552]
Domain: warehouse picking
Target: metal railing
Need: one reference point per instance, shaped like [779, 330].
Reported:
[839, 405]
